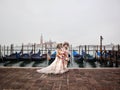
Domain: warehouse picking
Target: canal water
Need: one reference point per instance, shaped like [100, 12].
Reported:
[45, 63]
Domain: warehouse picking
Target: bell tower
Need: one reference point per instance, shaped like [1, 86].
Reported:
[41, 39]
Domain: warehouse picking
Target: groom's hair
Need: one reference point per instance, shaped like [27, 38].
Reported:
[65, 43]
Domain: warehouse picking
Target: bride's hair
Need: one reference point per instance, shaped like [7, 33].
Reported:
[59, 46]
[66, 43]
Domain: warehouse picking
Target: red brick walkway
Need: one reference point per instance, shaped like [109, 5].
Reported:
[75, 79]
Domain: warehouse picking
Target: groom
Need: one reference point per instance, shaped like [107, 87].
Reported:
[66, 51]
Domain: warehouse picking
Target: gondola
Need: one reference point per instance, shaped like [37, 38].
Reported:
[36, 56]
[77, 57]
[52, 57]
[88, 57]
[13, 57]
[44, 56]
[26, 56]
[1, 59]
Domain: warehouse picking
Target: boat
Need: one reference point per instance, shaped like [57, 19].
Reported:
[13, 56]
[52, 57]
[77, 57]
[88, 57]
[26, 56]
[36, 56]
[1, 59]
[44, 56]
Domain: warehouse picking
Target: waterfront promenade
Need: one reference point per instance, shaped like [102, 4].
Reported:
[75, 79]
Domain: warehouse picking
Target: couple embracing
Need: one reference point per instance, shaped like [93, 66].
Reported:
[59, 65]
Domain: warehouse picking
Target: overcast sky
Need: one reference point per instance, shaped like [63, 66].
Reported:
[75, 21]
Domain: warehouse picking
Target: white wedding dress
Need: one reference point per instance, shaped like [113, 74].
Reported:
[57, 67]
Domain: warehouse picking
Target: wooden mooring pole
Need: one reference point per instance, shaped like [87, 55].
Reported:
[7, 50]
[34, 48]
[71, 58]
[101, 38]
[88, 49]
[85, 51]
[22, 48]
[0, 51]
[97, 51]
[79, 49]
[4, 50]
[11, 48]
[118, 47]
[116, 56]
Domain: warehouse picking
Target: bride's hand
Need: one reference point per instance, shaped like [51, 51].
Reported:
[67, 59]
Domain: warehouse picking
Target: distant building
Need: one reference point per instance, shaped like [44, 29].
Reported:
[41, 39]
[47, 44]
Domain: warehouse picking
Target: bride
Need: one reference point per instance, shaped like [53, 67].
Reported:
[59, 64]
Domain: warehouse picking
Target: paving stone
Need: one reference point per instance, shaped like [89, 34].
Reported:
[75, 79]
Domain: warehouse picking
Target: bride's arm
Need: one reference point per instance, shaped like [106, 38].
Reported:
[59, 54]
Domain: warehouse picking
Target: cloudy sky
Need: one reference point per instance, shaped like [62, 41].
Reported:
[75, 21]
